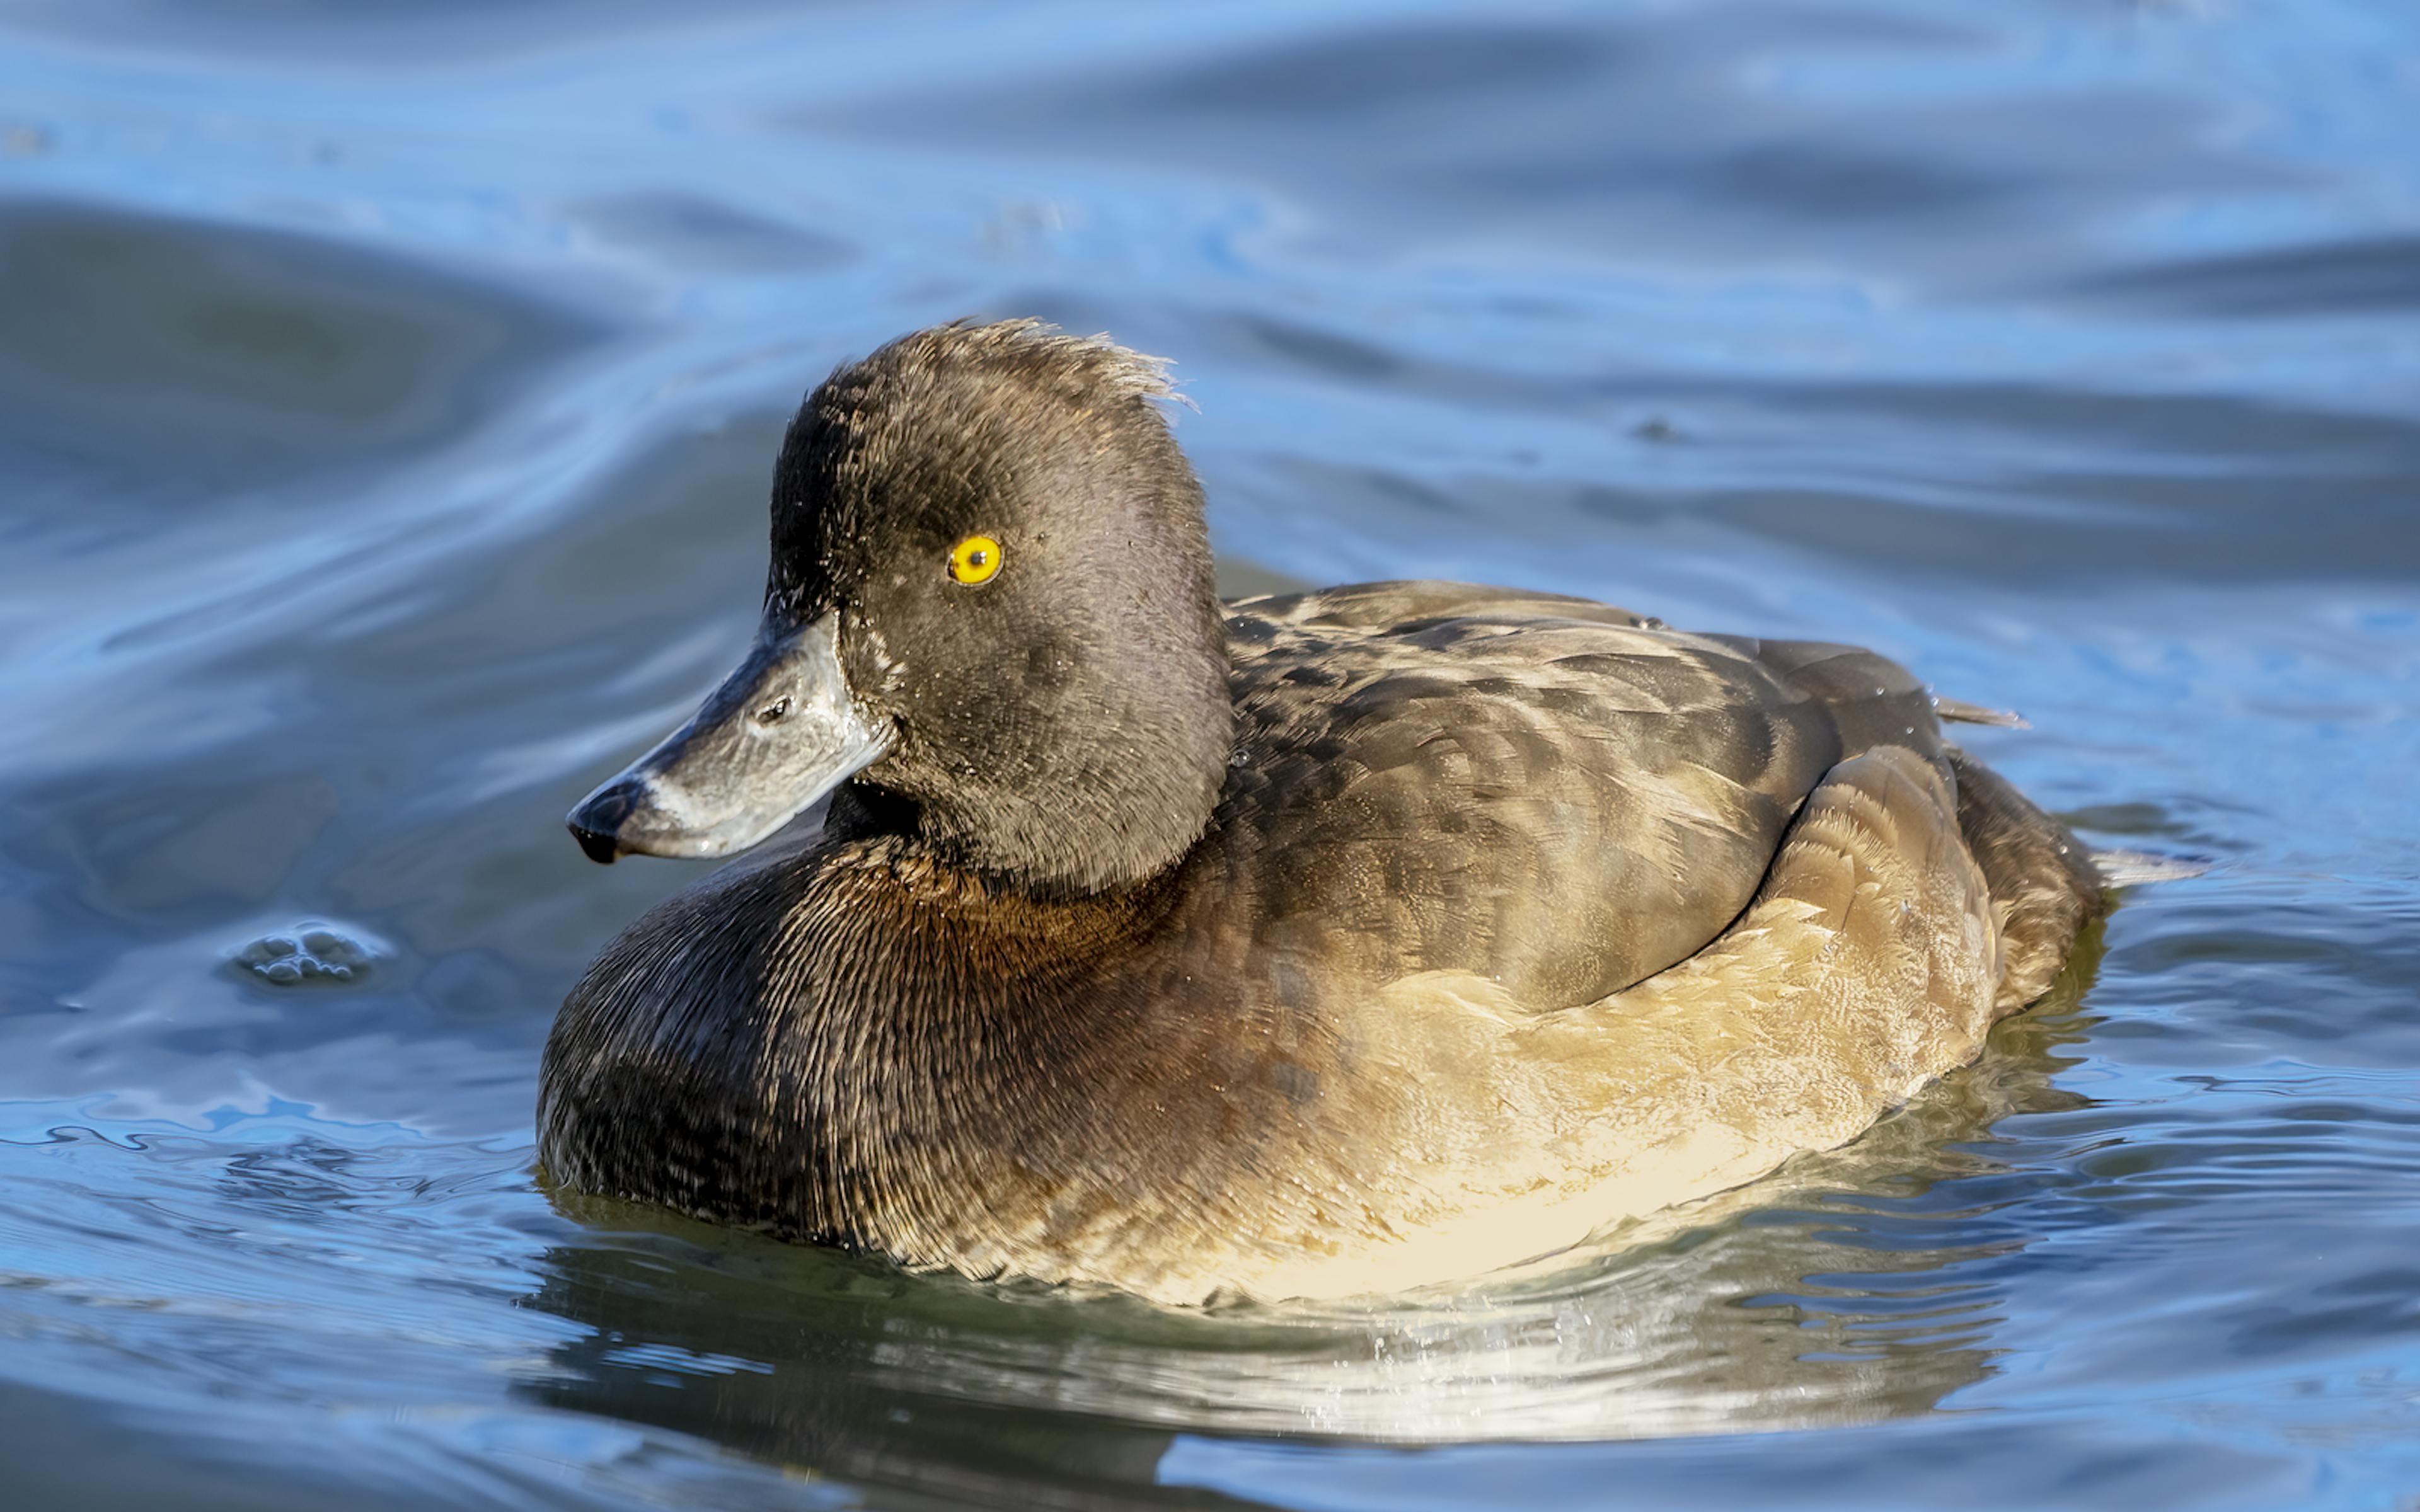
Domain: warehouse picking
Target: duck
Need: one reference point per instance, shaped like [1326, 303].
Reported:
[1318, 945]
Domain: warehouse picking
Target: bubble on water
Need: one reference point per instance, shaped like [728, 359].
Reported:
[309, 952]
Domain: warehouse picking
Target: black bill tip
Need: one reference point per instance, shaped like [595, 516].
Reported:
[597, 824]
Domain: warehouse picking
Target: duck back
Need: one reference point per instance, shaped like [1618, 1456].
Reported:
[1560, 796]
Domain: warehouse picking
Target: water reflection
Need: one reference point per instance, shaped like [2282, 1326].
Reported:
[151, 360]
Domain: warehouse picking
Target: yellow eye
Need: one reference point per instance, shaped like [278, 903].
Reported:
[974, 559]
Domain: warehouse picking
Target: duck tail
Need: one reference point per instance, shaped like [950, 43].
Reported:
[1959, 711]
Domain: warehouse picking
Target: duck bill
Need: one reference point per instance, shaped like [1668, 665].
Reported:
[781, 731]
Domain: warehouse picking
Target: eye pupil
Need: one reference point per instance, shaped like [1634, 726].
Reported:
[771, 713]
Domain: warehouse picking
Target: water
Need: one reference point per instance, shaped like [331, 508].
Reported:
[387, 394]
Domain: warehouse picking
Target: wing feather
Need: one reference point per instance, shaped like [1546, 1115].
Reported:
[1560, 794]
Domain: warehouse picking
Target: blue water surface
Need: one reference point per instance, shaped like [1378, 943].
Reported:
[387, 397]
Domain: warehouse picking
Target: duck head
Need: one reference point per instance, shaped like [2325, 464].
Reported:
[989, 609]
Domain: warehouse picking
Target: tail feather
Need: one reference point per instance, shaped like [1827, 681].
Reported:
[1962, 711]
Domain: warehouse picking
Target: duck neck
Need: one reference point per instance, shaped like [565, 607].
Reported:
[1097, 787]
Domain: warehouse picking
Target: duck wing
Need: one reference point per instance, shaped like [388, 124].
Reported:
[1560, 794]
